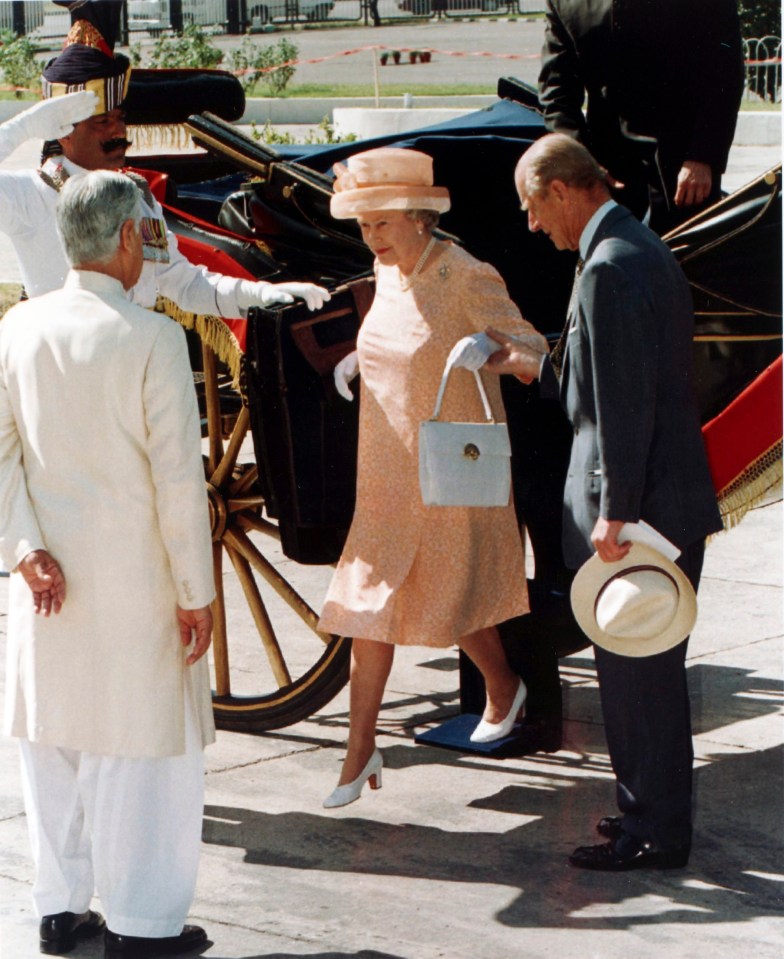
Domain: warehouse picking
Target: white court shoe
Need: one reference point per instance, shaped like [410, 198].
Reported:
[343, 795]
[489, 732]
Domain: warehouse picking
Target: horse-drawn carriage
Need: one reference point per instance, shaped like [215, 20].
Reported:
[281, 444]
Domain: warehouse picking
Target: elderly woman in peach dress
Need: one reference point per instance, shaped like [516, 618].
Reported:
[409, 573]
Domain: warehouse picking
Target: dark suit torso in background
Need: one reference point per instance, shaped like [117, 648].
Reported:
[665, 69]
[637, 454]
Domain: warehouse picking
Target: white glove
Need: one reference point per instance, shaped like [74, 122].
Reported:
[52, 119]
[472, 352]
[344, 373]
[262, 293]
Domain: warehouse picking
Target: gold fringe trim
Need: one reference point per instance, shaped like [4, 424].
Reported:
[156, 136]
[214, 333]
[751, 487]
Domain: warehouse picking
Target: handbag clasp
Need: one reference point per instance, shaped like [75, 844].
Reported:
[471, 451]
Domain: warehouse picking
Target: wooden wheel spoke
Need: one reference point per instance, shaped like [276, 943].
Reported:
[235, 504]
[238, 540]
[239, 503]
[228, 460]
[220, 646]
[244, 482]
[260, 616]
[250, 521]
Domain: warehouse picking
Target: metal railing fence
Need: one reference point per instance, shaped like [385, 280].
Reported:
[44, 21]
[763, 69]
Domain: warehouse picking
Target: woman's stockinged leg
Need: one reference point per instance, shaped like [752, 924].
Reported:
[371, 662]
[484, 649]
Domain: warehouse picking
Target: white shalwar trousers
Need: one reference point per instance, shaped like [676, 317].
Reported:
[129, 829]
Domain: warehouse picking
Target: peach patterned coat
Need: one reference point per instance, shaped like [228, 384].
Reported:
[410, 573]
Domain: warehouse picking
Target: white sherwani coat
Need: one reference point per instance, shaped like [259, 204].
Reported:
[100, 463]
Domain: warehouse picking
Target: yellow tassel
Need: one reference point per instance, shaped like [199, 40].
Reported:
[152, 136]
[751, 487]
[214, 333]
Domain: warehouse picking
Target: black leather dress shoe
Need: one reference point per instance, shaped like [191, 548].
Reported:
[60, 932]
[139, 947]
[627, 852]
[610, 827]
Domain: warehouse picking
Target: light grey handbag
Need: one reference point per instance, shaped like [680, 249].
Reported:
[464, 464]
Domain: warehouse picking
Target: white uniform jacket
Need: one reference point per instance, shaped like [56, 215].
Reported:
[27, 217]
[100, 463]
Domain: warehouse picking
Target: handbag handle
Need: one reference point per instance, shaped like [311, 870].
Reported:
[480, 386]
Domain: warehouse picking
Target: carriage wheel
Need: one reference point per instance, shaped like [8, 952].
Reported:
[292, 670]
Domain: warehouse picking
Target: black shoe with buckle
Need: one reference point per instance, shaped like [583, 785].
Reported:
[628, 852]
[140, 947]
[60, 932]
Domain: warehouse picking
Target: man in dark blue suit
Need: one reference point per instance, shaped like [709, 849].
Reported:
[623, 373]
[662, 82]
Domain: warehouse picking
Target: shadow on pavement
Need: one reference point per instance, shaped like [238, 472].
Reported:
[735, 873]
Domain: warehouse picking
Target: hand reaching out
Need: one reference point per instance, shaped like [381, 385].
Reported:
[260, 293]
[471, 352]
[314, 296]
[518, 355]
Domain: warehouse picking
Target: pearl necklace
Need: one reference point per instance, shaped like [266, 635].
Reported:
[407, 282]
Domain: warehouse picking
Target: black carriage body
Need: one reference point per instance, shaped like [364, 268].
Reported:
[304, 433]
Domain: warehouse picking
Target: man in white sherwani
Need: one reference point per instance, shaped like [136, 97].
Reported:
[104, 522]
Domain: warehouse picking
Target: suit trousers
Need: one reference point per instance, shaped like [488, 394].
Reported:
[129, 829]
[647, 721]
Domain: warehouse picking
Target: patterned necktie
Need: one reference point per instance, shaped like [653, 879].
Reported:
[557, 352]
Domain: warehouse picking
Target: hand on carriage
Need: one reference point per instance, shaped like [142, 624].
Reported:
[43, 575]
[694, 183]
[472, 352]
[345, 371]
[262, 293]
[195, 626]
[519, 355]
[54, 118]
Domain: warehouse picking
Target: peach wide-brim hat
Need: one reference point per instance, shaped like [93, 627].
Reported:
[389, 178]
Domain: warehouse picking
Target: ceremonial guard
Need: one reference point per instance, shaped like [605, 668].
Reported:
[82, 123]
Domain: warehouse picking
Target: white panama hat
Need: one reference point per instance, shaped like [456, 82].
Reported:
[639, 606]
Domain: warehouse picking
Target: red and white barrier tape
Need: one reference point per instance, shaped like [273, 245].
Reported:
[381, 47]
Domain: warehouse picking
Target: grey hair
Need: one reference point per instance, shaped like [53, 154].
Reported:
[90, 211]
[428, 218]
[559, 157]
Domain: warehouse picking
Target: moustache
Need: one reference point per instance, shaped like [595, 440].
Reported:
[109, 146]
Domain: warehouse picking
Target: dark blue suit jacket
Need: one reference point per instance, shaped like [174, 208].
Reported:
[626, 387]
